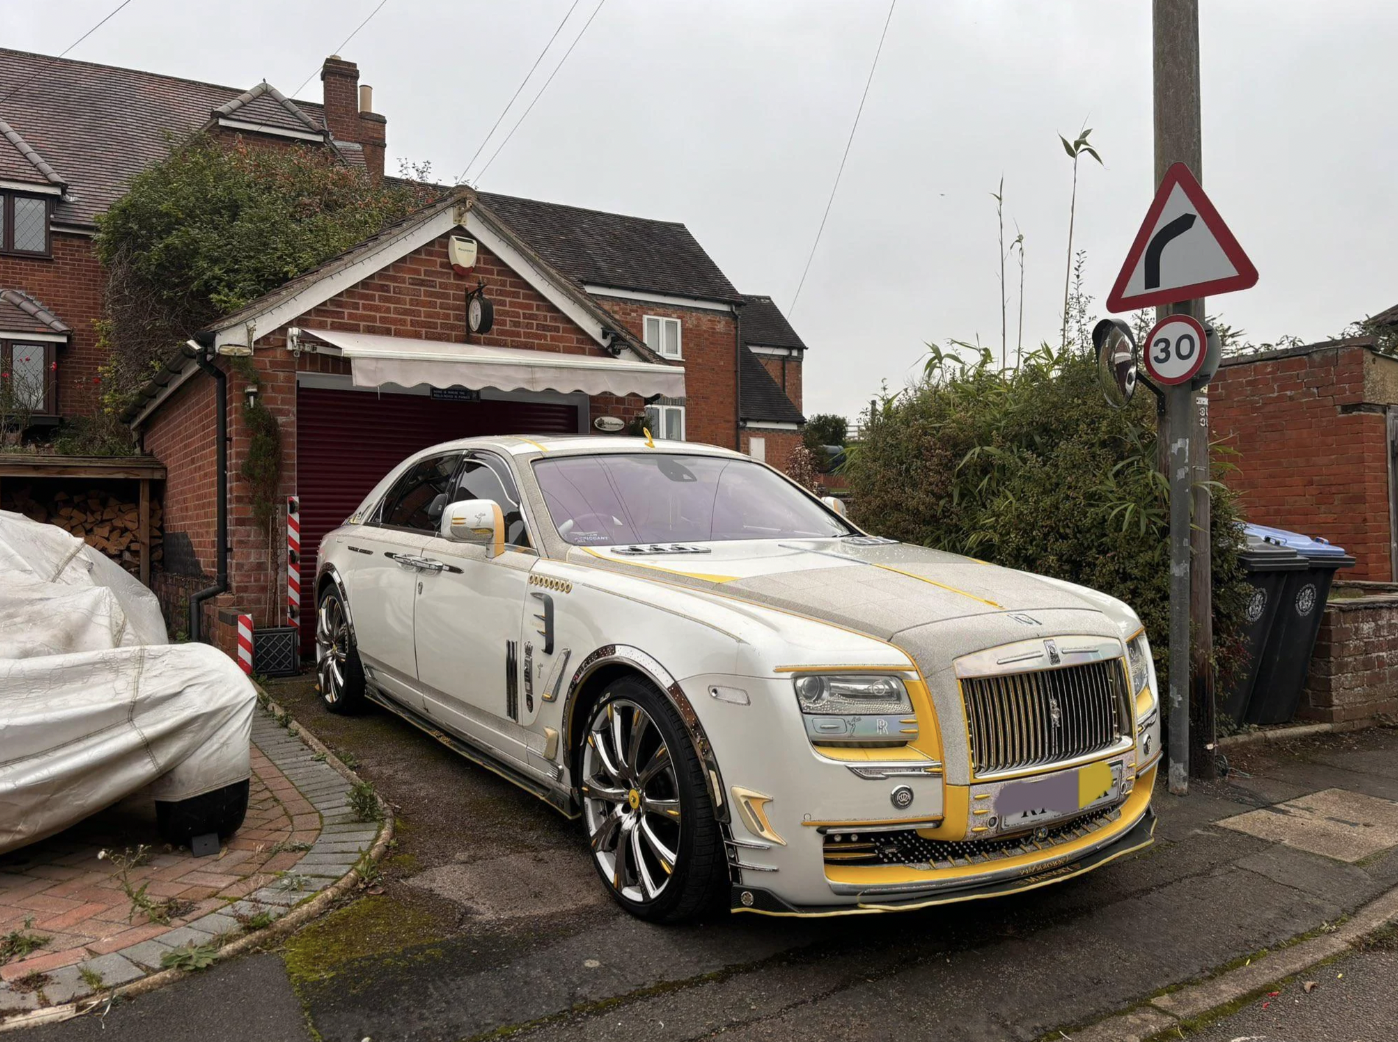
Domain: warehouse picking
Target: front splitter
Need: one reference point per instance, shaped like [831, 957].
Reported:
[1138, 837]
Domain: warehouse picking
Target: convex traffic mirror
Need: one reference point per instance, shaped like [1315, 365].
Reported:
[1116, 361]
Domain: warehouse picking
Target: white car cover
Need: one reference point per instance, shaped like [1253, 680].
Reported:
[95, 704]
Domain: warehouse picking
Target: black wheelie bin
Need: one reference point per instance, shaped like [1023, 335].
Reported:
[1268, 564]
[1286, 657]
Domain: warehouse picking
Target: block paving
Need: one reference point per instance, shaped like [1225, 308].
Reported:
[298, 838]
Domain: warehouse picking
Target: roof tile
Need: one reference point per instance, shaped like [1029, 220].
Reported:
[763, 400]
[101, 125]
[21, 313]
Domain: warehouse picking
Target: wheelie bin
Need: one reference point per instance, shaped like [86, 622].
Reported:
[1281, 676]
[1268, 564]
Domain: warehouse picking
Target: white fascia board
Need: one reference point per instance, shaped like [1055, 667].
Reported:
[48, 338]
[35, 189]
[190, 368]
[779, 352]
[86, 231]
[555, 294]
[770, 425]
[264, 128]
[657, 298]
[321, 290]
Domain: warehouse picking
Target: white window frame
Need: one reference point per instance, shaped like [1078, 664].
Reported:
[659, 348]
[657, 429]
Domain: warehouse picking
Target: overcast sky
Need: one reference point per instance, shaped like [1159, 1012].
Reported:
[731, 116]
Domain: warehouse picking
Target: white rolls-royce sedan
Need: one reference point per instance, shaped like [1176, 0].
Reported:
[743, 696]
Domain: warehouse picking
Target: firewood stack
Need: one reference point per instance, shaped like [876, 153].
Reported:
[99, 519]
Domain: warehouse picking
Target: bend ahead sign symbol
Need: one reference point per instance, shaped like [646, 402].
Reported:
[1183, 250]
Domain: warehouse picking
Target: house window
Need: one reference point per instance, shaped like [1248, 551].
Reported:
[757, 449]
[28, 385]
[666, 421]
[663, 336]
[24, 224]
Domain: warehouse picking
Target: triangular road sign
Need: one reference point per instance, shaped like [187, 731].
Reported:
[1183, 250]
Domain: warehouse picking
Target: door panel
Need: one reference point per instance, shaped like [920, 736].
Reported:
[381, 595]
[467, 631]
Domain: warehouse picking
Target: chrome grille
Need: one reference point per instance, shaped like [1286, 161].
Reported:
[1022, 720]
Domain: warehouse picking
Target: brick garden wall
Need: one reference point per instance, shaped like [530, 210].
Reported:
[1309, 458]
[1354, 671]
[70, 285]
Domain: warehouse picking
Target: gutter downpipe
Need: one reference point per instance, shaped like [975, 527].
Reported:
[203, 345]
[738, 378]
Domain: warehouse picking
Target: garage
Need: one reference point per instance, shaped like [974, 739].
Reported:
[337, 463]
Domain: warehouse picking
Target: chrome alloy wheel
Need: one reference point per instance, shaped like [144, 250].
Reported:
[631, 800]
[332, 647]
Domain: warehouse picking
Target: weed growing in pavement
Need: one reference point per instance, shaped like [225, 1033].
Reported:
[319, 757]
[349, 760]
[18, 943]
[30, 982]
[286, 846]
[189, 957]
[364, 801]
[256, 921]
[92, 978]
[293, 881]
[160, 912]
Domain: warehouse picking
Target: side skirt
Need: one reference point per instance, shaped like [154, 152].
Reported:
[560, 802]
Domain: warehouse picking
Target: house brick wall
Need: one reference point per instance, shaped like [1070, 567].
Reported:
[70, 285]
[787, 372]
[709, 342]
[779, 445]
[181, 435]
[1354, 671]
[1310, 457]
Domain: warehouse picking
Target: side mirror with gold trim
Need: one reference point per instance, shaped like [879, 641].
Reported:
[477, 521]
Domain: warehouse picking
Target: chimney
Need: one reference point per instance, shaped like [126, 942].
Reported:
[373, 133]
[349, 112]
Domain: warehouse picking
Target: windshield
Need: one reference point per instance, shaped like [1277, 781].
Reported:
[657, 498]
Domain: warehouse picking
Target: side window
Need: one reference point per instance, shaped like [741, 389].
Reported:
[418, 498]
[484, 477]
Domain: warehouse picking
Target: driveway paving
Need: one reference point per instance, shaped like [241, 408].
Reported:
[490, 919]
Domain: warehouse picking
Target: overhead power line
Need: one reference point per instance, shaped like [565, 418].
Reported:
[494, 126]
[835, 187]
[111, 14]
[340, 49]
[541, 91]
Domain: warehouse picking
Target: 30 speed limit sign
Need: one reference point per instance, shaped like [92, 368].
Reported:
[1175, 350]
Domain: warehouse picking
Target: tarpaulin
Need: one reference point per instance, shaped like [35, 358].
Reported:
[95, 704]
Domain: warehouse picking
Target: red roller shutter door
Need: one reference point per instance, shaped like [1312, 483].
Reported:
[347, 440]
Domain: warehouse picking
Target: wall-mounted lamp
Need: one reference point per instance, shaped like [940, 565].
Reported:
[250, 391]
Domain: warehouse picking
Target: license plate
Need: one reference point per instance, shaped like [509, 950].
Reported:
[1037, 801]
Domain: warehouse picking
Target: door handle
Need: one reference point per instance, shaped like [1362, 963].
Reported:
[426, 564]
[405, 561]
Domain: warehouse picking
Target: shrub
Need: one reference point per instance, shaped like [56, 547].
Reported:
[1031, 469]
[214, 226]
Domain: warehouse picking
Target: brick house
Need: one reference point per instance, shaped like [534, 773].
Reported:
[368, 357]
[1314, 428]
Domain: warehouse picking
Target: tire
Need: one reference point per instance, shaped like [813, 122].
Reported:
[338, 667]
[649, 819]
[221, 811]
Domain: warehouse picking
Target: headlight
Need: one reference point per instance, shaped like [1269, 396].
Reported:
[1138, 662]
[854, 709]
[852, 695]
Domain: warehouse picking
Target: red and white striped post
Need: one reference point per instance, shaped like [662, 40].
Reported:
[293, 561]
[245, 643]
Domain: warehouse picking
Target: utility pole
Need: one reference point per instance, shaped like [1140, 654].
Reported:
[1178, 139]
